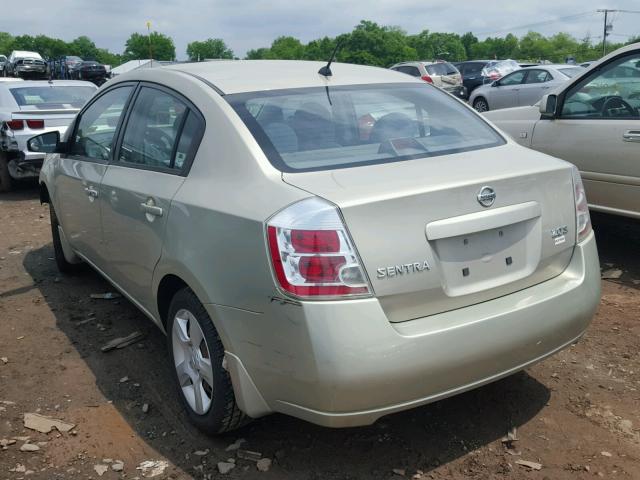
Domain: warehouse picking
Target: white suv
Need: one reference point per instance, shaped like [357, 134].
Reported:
[441, 74]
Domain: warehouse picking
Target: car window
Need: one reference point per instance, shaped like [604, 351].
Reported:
[513, 79]
[443, 68]
[311, 129]
[152, 129]
[189, 140]
[52, 96]
[473, 68]
[409, 70]
[537, 76]
[610, 92]
[97, 126]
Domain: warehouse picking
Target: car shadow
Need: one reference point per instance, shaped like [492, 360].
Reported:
[422, 438]
[618, 246]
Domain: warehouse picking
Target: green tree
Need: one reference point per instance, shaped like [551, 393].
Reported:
[469, 40]
[286, 48]
[6, 43]
[448, 46]
[319, 49]
[422, 44]
[83, 47]
[210, 48]
[257, 54]
[371, 44]
[137, 47]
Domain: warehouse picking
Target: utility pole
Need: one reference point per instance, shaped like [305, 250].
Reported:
[150, 48]
[606, 28]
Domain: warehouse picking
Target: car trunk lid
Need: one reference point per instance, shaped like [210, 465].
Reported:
[427, 243]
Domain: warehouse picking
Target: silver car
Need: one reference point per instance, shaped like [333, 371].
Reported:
[298, 266]
[28, 108]
[522, 87]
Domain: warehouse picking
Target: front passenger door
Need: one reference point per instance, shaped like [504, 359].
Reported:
[505, 93]
[598, 130]
[80, 170]
[153, 158]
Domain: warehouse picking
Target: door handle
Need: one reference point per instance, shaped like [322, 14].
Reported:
[92, 192]
[151, 209]
[631, 136]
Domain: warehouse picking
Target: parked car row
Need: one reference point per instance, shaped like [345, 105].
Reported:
[31, 65]
[524, 86]
[28, 108]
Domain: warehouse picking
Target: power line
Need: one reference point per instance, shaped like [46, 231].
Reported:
[538, 24]
[609, 26]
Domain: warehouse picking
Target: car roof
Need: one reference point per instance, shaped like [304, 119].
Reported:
[25, 53]
[44, 83]
[238, 76]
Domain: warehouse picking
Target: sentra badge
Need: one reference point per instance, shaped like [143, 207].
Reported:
[404, 269]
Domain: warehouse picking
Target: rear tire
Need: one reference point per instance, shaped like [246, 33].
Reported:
[480, 105]
[63, 265]
[195, 350]
[6, 182]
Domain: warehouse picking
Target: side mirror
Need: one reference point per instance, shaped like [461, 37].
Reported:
[44, 143]
[548, 105]
[495, 83]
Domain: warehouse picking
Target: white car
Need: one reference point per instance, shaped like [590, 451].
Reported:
[522, 87]
[593, 121]
[28, 108]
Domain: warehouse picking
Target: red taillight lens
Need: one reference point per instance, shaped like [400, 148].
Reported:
[312, 254]
[427, 78]
[321, 269]
[15, 124]
[315, 241]
[35, 123]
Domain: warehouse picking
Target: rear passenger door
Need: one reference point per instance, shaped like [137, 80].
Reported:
[156, 147]
[535, 85]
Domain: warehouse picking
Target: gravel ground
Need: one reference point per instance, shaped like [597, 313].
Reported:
[576, 415]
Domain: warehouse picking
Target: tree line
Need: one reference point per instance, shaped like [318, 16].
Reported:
[368, 43]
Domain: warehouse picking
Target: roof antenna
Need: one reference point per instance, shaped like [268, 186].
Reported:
[326, 70]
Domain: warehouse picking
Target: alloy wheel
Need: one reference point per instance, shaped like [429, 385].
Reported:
[192, 361]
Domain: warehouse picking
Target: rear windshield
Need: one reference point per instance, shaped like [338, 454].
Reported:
[571, 71]
[52, 96]
[443, 68]
[311, 129]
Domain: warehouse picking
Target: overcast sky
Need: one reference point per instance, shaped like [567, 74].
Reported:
[247, 24]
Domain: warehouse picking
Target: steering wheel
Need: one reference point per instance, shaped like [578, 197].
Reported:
[159, 138]
[610, 102]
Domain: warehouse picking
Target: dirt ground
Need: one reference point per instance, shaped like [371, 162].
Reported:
[577, 414]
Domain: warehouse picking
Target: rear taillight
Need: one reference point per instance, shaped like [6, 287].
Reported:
[15, 124]
[427, 78]
[35, 123]
[312, 254]
[583, 220]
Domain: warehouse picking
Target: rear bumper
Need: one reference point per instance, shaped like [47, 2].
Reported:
[342, 364]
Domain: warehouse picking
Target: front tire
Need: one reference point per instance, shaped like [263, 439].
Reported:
[196, 355]
[480, 105]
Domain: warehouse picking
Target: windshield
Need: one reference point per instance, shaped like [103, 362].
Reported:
[317, 129]
[571, 71]
[52, 96]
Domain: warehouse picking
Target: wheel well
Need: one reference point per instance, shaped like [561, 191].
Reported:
[44, 194]
[168, 287]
